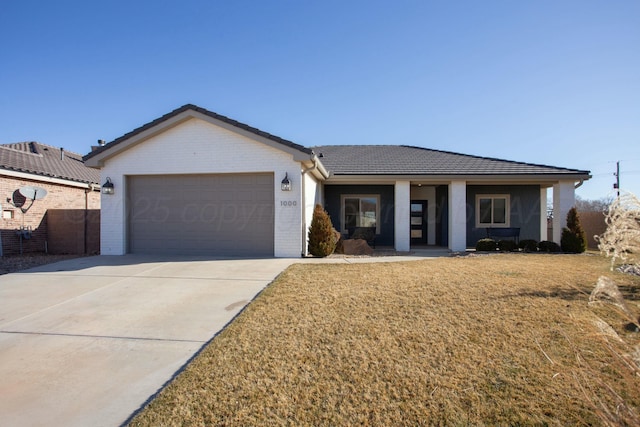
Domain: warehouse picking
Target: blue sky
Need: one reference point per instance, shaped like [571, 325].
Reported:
[549, 82]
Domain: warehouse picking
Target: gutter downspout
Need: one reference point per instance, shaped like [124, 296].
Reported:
[90, 188]
[578, 185]
[315, 161]
[86, 215]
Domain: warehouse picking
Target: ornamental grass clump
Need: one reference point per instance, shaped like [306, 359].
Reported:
[322, 241]
[574, 239]
[621, 240]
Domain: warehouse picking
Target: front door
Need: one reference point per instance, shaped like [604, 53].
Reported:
[418, 222]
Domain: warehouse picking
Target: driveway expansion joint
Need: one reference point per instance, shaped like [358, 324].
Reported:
[114, 337]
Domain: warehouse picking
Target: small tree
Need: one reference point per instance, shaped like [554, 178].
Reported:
[573, 239]
[621, 240]
[322, 240]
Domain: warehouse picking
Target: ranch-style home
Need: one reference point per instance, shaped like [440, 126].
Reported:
[195, 182]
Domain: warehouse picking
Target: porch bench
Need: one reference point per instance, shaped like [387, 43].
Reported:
[513, 232]
[364, 233]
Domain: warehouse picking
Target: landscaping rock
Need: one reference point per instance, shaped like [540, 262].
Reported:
[338, 238]
[356, 247]
[629, 269]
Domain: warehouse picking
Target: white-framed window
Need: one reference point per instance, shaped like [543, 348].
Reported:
[360, 210]
[492, 210]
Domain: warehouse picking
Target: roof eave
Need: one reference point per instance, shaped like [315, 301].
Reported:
[446, 178]
[36, 176]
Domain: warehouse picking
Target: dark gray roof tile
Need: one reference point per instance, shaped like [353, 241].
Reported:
[407, 160]
[45, 160]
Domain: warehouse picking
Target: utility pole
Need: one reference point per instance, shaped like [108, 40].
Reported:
[616, 185]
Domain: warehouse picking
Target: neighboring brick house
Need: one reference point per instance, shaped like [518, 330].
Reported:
[73, 192]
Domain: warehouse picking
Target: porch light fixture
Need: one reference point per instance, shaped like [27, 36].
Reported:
[286, 184]
[107, 187]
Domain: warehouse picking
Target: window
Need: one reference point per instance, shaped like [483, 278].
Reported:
[492, 210]
[360, 211]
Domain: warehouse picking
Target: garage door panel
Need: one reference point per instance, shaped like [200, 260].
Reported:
[201, 214]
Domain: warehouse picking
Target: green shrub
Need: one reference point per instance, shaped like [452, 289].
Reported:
[507, 246]
[548, 246]
[528, 245]
[573, 239]
[322, 240]
[489, 245]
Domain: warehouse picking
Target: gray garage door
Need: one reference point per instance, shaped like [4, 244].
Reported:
[221, 215]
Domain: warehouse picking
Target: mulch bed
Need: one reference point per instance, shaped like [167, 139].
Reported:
[13, 263]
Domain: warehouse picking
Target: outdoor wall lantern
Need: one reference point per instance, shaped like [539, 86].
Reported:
[286, 184]
[107, 187]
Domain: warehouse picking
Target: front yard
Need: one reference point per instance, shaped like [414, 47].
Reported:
[488, 340]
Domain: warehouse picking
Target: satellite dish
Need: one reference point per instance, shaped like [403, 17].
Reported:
[18, 199]
[33, 193]
[22, 194]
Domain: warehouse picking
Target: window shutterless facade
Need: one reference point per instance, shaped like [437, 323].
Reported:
[360, 210]
[492, 210]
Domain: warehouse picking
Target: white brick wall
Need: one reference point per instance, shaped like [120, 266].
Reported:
[195, 147]
[564, 198]
[311, 198]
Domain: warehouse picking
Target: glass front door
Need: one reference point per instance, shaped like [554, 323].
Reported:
[418, 222]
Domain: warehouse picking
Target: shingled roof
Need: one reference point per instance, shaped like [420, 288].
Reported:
[45, 160]
[407, 160]
[211, 114]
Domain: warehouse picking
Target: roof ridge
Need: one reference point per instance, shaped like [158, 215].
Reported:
[35, 151]
[58, 148]
[19, 150]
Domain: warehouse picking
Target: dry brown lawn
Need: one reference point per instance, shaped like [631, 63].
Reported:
[483, 340]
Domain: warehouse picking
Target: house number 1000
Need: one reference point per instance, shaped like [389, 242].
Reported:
[288, 203]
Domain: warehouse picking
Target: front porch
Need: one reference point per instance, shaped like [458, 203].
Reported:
[421, 215]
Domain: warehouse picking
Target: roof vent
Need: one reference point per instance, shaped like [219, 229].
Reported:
[61, 153]
[101, 142]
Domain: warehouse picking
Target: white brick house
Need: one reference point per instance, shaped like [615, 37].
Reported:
[195, 182]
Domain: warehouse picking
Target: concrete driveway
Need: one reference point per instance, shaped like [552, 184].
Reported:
[88, 341]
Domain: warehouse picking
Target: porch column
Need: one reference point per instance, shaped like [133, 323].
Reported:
[402, 216]
[563, 199]
[543, 214]
[458, 216]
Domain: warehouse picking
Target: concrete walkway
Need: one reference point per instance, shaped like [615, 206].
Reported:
[88, 341]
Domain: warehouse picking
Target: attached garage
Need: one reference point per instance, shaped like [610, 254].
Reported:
[205, 214]
[194, 182]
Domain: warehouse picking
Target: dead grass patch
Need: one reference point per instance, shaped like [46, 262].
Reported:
[500, 340]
